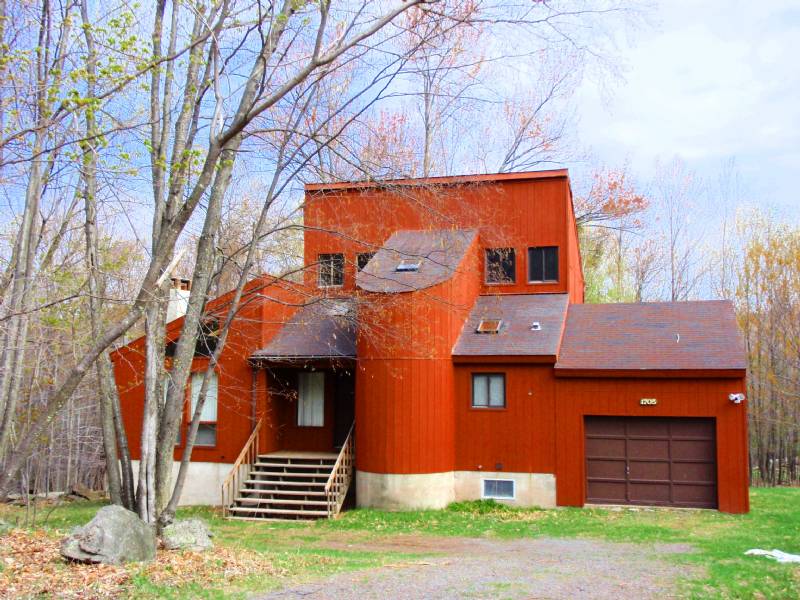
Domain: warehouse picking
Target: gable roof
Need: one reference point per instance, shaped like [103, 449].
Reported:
[674, 336]
[439, 251]
[515, 338]
[324, 328]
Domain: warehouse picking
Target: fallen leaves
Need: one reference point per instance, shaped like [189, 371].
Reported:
[31, 566]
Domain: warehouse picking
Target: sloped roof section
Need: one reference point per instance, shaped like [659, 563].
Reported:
[672, 336]
[518, 336]
[323, 329]
[439, 253]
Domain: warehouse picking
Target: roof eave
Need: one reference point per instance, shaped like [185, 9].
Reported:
[723, 373]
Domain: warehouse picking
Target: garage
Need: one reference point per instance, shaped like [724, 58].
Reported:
[651, 461]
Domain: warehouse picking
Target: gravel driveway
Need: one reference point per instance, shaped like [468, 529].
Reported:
[530, 568]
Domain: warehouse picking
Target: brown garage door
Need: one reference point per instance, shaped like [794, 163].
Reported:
[656, 461]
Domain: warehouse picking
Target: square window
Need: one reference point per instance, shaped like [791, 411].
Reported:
[501, 265]
[488, 390]
[362, 259]
[489, 326]
[206, 434]
[331, 270]
[500, 489]
[543, 264]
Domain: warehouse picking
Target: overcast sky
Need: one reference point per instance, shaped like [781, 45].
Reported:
[710, 81]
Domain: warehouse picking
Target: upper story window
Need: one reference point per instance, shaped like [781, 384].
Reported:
[501, 265]
[543, 264]
[331, 270]
[488, 390]
[362, 259]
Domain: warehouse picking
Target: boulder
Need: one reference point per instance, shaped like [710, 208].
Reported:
[191, 534]
[114, 536]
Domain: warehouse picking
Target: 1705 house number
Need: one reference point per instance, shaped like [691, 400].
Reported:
[648, 401]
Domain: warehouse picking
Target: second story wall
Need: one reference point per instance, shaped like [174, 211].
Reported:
[519, 211]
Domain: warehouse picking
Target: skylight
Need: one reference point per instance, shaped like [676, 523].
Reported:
[489, 326]
[409, 264]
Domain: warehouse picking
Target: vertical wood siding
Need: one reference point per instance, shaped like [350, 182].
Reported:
[517, 214]
[576, 398]
[520, 437]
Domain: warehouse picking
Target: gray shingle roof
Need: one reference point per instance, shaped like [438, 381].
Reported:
[324, 328]
[652, 336]
[515, 338]
[440, 253]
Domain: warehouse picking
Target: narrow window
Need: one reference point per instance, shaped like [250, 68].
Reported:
[501, 265]
[311, 399]
[499, 489]
[488, 390]
[331, 270]
[543, 264]
[362, 259]
[207, 431]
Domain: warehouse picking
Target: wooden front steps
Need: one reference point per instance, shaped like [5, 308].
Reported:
[286, 486]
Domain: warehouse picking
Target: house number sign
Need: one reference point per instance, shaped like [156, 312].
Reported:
[648, 401]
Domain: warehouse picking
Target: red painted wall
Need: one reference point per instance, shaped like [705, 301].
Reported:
[405, 421]
[578, 397]
[521, 436]
[517, 213]
[256, 323]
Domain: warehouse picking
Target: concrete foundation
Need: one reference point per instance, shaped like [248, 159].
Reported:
[203, 482]
[530, 489]
[437, 490]
[404, 492]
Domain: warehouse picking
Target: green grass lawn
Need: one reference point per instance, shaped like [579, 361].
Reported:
[304, 551]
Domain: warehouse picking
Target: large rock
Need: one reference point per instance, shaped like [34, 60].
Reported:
[191, 534]
[114, 536]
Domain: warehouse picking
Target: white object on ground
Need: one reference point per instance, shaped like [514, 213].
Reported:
[780, 556]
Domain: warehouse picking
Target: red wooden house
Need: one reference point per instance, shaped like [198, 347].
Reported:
[439, 349]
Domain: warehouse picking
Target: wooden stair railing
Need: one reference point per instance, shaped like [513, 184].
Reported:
[341, 475]
[241, 468]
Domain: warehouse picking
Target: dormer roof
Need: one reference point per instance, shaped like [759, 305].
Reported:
[437, 252]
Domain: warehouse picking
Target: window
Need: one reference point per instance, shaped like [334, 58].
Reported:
[489, 326]
[543, 263]
[331, 270]
[362, 259]
[488, 390]
[207, 431]
[499, 489]
[311, 400]
[207, 338]
[409, 264]
[501, 265]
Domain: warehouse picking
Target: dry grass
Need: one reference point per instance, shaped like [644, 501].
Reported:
[33, 567]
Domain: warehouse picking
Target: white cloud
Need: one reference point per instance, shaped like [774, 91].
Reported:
[717, 79]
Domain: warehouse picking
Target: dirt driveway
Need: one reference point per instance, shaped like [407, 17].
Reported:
[529, 568]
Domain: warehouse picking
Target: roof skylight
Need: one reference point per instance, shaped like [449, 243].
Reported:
[409, 265]
[489, 326]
